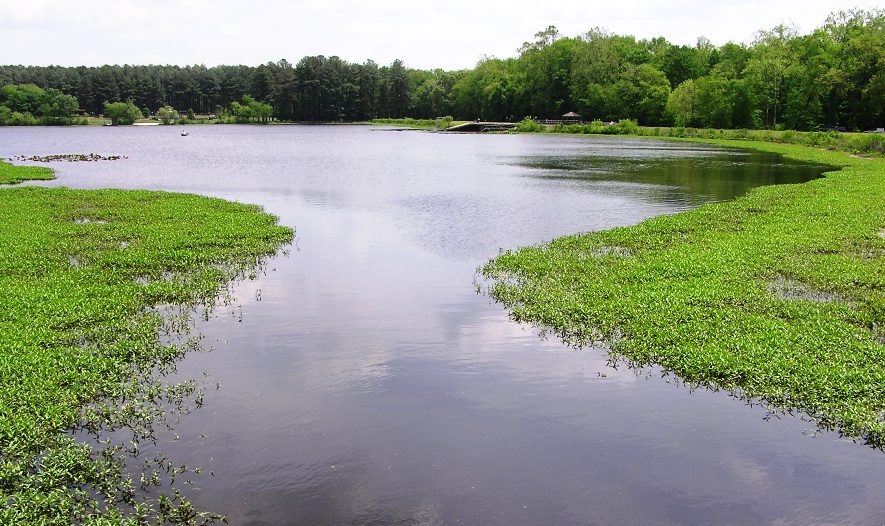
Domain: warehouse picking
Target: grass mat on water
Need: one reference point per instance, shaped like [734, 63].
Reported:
[80, 273]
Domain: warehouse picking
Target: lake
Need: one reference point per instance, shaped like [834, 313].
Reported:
[364, 380]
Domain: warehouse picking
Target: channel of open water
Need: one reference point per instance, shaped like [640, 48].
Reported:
[363, 380]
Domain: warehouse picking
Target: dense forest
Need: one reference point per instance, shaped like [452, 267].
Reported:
[833, 76]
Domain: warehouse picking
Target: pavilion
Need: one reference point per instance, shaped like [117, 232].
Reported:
[571, 118]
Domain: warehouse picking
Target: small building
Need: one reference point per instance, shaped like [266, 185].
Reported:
[571, 118]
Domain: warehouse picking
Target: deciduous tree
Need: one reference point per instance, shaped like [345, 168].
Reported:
[121, 112]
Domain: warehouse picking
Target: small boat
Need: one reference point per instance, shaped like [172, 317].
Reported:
[184, 134]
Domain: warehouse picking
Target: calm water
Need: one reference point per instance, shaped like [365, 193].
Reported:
[364, 381]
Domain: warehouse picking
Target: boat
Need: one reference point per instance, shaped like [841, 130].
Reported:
[184, 134]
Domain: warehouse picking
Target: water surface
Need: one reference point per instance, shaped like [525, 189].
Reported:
[364, 381]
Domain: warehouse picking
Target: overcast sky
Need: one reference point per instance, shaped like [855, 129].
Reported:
[450, 34]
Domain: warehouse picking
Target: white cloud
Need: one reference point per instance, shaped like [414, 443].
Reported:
[432, 33]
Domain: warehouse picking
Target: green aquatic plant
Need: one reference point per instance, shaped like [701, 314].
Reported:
[81, 275]
[778, 295]
[10, 174]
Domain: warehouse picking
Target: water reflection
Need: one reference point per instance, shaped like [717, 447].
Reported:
[670, 178]
[372, 385]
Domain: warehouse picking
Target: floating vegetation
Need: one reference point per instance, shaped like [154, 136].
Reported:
[778, 296]
[10, 174]
[68, 157]
[82, 343]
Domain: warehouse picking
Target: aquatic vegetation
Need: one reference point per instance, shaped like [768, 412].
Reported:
[69, 157]
[778, 295]
[10, 174]
[81, 273]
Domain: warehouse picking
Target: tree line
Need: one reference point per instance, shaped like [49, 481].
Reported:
[24, 104]
[834, 75]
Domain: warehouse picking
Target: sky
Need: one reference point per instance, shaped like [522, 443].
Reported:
[426, 34]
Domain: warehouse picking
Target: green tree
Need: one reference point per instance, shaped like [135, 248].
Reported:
[58, 108]
[261, 111]
[250, 110]
[242, 114]
[682, 102]
[835, 75]
[731, 61]
[167, 115]
[23, 103]
[804, 91]
[22, 98]
[121, 112]
[710, 102]
[434, 92]
[283, 89]
[641, 94]
[493, 91]
[616, 77]
[858, 49]
[767, 69]
[400, 89]
[714, 102]
[546, 67]
[681, 63]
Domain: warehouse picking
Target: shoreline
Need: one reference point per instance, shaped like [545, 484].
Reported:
[861, 143]
[775, 296]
